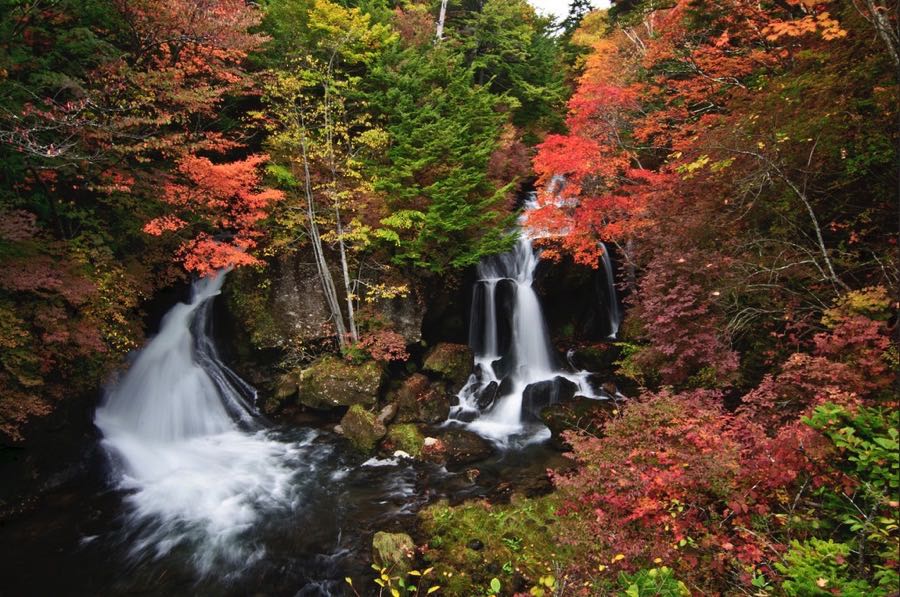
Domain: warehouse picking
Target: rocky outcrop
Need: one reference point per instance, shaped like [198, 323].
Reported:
[420, 400]
[452, 362]
[331, 382]
[403, 314]
[362, 428]
[394, 551]
[298, 303]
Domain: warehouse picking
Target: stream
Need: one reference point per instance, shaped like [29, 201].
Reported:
[187, 490]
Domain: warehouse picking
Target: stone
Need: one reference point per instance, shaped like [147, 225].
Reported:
[394, 551]
[298, 304]
[405, 314]
[486, 397]
[419, 400]
[404, 437]
[542, 394]
[453, 362]
[581, 413]
[475, 545]
[401, 454]
[362, 428]
[387, 414]
[331, 382]
[464, 447]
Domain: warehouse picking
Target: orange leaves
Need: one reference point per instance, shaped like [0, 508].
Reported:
[227, 198]
[829, 28]
[205, 255]
[162, 224]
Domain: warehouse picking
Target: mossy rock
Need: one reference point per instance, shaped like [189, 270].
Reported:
[453, 362]
[362, 428]
[393, 551]
[331, 382]
[422, 401]
[405, 437]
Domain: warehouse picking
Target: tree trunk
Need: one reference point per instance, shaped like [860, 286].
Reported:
[328, 287]
[439, 34]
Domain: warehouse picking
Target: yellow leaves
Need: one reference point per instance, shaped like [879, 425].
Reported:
[374, 138]
[432, 590]
[618, 557]
[689, 170]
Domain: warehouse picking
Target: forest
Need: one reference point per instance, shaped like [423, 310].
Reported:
[511, 305]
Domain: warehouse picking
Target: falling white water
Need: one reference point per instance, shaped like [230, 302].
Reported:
[198, 469]
[529, 358]
[612, 303]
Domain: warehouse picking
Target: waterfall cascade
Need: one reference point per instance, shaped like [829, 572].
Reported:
[197, 468]
[516, 372]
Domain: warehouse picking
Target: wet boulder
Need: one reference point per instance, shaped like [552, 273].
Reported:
[452, 362]
[362, 428]
[394, 551]
[331, 382]
[420, 400]
[542, 394]
[464, 447]
[488, 395]
[405, 437]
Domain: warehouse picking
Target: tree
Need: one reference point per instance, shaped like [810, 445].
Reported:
[317, 131]
[444, 211]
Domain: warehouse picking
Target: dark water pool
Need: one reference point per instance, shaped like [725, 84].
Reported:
[82, 538]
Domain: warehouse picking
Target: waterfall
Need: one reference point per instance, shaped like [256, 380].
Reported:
[197, 468]
[612, 299]
[508, 388]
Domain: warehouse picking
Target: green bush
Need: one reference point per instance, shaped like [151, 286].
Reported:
[817, 567]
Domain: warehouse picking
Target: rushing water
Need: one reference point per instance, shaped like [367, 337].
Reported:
[192, 493]
[516, 372]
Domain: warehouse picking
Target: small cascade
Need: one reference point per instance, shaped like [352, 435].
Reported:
[612, 298]
[182, 436]
[516, 371]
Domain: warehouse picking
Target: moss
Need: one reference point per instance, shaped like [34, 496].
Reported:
[518, 543]
[362, 428]
[248, 298]
[331, 382]
[393, 551]
[405, 437]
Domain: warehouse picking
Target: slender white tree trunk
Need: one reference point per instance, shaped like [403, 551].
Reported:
[439, 34]
[328, 287]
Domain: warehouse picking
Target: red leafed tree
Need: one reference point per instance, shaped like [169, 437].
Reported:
[591, 186]
[227, 199]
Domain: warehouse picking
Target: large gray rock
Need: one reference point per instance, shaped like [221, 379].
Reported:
[298, 303]
[331, 382]
[404, 315]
